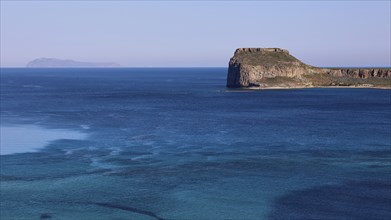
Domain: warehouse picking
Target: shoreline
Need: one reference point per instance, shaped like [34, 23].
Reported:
[309, 87]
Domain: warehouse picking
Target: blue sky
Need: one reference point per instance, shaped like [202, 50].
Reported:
[195, 33]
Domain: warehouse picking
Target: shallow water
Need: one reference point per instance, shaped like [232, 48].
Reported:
[176, 144]
[29, 138]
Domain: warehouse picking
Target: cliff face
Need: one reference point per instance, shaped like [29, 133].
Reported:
[359, 72]
[267, 67]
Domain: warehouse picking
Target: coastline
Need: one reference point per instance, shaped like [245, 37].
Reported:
[307, 87]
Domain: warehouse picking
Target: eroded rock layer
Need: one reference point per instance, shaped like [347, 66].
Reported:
[267, 67]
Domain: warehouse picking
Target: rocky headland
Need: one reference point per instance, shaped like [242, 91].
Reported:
[263, 68]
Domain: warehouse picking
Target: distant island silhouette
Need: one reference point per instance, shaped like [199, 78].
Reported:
[59, 63]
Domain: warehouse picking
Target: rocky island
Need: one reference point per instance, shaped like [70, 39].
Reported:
[59, 63]
[263, 68]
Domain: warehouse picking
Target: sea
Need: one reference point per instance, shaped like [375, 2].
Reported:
[176, 144]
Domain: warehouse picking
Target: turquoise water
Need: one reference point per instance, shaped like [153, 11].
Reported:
[30, 138]
[176, 144]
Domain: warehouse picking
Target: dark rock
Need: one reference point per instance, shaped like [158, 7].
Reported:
[45, 216]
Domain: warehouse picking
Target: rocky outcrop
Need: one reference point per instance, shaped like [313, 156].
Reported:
[359, 72]
[266, 67]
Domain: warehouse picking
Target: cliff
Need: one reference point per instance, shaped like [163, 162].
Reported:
[275, 67]
[58, 63]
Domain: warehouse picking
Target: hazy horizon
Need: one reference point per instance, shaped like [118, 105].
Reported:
[194, 33]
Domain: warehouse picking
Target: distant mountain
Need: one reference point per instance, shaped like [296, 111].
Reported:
[52, 62]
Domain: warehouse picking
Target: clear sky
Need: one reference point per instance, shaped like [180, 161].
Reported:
[195, 33]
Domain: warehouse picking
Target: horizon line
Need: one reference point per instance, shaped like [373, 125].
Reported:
[111, 67]
[127, 67]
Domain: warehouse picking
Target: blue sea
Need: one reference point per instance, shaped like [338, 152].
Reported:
[175, 143]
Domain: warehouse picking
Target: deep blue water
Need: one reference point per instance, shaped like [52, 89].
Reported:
[174, 143]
